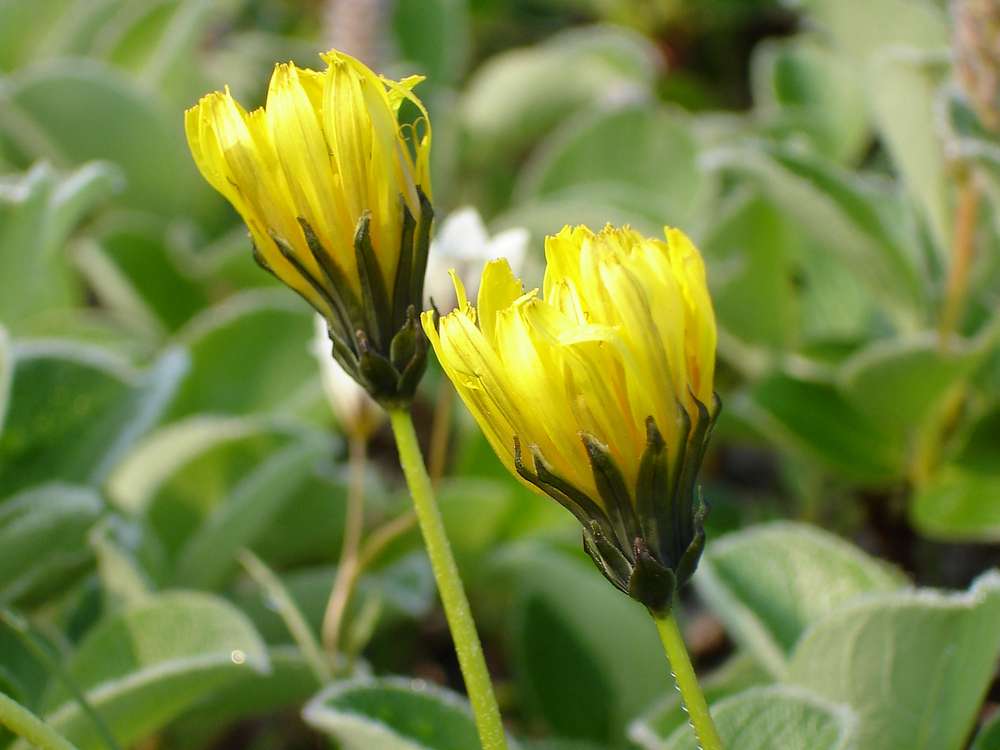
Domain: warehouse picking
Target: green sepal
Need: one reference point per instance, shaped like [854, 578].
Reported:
[691, 465]
[379, 376]
[374, 298]
[293, 260]
[402, 299]
[653, 486]
[582, 513]
[675, 507]
[413, 367]
[259, 258]
[688, 562]
[588, 509]
[607, 557]
[611, 487]
[404, 344]
[692, 556]
[421, 248]
[652, 583]
[341, 297]
[376, 338]
[652, 548]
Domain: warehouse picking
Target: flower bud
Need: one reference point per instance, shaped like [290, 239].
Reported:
[336, 195]
[357, 414]
[599, 393]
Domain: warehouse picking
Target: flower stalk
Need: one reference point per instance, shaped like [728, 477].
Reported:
[687, 682]
[25, 724]
[449, 584]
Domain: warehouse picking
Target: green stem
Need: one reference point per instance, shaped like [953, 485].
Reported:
[449, 583]
[55, 667]
[25, 724]
[687, 682]
[291, 615]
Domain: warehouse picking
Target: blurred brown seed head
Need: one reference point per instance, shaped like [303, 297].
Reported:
[977, 56]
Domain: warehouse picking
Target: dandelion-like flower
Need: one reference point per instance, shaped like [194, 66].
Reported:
[336, 195]
[599, 393]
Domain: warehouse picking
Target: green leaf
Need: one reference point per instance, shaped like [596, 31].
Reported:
[586, 658]
[750, 248]
[435, 35]
[914, 665]
[75, 410]
[772, 582]
[38, 212]
[595, 206]
[22, 27]
[899, 382]
[209, 555]
[648, 152]
[6, 375]
[151, 466]
[269, 332]
[158, 40]
[145, 665]
[72, 111]
[806, 88]
[517, 96]
[135, 273]
[770, 718]
[289, 683]
[475, 529]
[52, 517]
[392, 714]
[861, 28]
[961, 499]
[23, 675]
[652, 728]
[904, 92]
[959, 504]
[130, 560]
[989, 735]
[850, 216]
[314, 518]
[813, 419]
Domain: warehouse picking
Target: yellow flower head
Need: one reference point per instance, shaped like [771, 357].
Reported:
[335, 193]
[599, 392]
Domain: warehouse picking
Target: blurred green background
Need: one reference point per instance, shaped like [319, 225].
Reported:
[836, 161]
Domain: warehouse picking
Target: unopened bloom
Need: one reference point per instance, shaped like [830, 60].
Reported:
[463, 244]
[599, 393]
[356, 412]
[335, 193]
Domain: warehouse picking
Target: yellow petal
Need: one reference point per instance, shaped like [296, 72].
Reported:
[498, 288]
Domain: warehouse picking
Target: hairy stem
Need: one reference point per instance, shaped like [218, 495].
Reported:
[687, 682]
[449, 583]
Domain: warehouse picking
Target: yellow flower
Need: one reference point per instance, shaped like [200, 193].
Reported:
[335, 193]
[599, 393]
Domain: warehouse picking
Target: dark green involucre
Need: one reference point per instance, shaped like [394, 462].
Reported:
[648, 548]
[376, 338]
